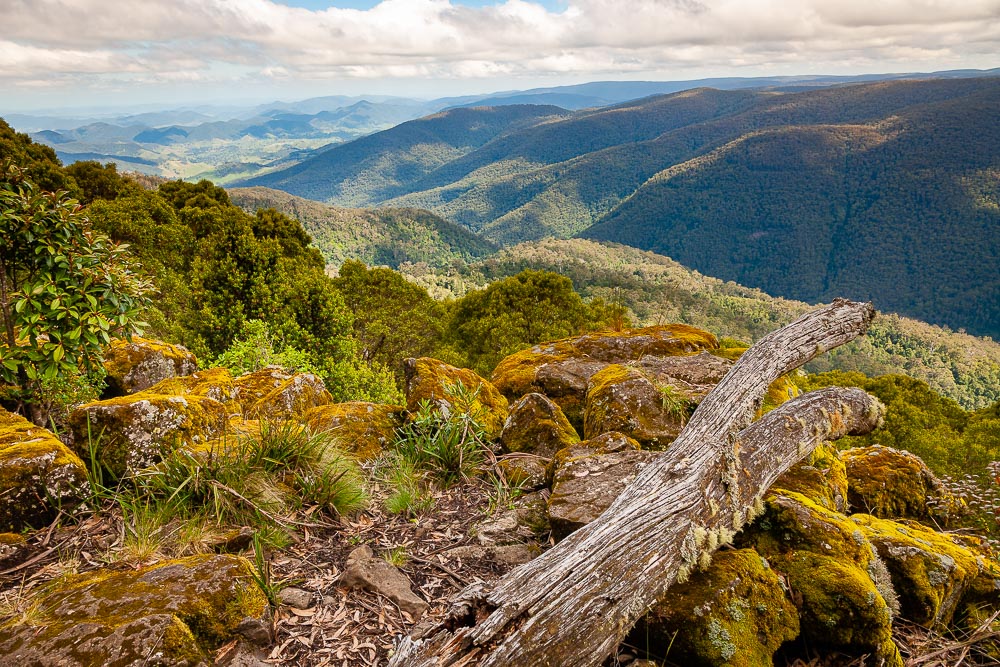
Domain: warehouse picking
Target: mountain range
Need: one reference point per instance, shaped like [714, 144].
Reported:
[885, 191]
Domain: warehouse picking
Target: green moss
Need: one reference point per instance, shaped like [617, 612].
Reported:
[536, 425]
[362, 429]
[126, 361]
[735, 613]
[270, 393]
[821, 477]
[889, 483]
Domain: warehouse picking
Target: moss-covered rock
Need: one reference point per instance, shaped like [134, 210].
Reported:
[132, 432]
[174, 613]
[562, 369]
[821, 477]
[432, 380]
[893, 484]
[13, 549]
[933, 573]
[736, 613]
[362, 429]
[626, 400]
[136, 365]
[588, 477]
[522, 523]
[214, 383]
[536, 425]
[271, 393]
[838, 581]
[525, 472]
[39, 475]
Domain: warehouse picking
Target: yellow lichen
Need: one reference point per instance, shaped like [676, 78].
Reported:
[431, 380]
[361, 429]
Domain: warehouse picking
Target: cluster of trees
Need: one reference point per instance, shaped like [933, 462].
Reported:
[235, 288]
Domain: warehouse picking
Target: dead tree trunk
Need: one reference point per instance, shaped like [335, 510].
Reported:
[573, 605]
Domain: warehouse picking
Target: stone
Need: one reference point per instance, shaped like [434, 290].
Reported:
[524, 472]
[137, 365]
[39, 475]
[361, 429]
[272, 393]
[295, 597]
[365, 571]
[255, 631]
[173, 613]
[431, 380]
[821, 477]
[13, 550]
[894, 484]
[588, 477]
[736, 613]
[536, 425]
[522, 523]
[561, 369]
[130, 433]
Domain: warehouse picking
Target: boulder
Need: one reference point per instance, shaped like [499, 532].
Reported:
[523, 523]
[839, 584]
[364, 570]
[272, 393]
[13, 550]
[893, 484]
[431, 380]
[735, 613]
[626, 400]
[933, 573]
[562, 369]
[136, 365]
[524, 471]
[39, 475]
[130, 433]
[214, 383]
[361, 429]
[536, 425]
[173, 613]
[588, 477]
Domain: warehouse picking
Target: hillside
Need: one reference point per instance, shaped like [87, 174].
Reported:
[881, 190]
[659, 290]
[379, 237]
[356, 173]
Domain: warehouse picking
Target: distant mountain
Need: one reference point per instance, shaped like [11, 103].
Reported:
[885, 190]
[376, 166]
[386, 236]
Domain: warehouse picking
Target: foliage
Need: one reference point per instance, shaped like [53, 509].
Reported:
[516, 312]
[255, 348]
[40, 164]
[98, 181]
[65, 290]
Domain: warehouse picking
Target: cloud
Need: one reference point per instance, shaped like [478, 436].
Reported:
[45, 40]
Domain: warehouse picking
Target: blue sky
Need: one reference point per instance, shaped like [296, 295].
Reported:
[59, 53]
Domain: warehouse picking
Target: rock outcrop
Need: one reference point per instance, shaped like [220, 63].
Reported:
[136, 365]
[361, 429]
[435, 381]
[538, 426]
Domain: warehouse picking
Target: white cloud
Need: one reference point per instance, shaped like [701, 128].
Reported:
[46, 40]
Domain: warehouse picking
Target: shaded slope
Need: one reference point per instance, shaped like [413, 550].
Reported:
[384, 236]
[903, 212]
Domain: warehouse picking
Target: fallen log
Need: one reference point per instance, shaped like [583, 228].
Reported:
[572, 606]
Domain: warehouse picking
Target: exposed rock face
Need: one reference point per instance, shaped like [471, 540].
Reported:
[174, 613]
[891, 484]
[736, 613]
[432, 380]
[524, 472]
[134, 432]
[588, 477]
[139, 364]
[561, 370]
[272, 393]
[362, 429]
[536, 425]
[38, 475]
[365, 571]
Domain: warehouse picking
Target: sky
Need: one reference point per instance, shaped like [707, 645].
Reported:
[78, 53]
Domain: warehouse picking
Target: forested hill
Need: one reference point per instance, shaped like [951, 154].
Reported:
[379, 237]
[885, 190]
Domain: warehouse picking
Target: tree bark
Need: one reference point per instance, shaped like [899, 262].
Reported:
[572, 606]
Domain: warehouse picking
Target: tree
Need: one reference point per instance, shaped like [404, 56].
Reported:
[572, 606]
[65, 290]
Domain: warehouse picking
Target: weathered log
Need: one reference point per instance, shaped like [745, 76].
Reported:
[573, 605]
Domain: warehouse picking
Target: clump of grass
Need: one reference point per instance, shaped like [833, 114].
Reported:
[408, 493]
[397, 556]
